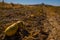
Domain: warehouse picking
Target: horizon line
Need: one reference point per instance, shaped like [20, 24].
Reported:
[31, 4]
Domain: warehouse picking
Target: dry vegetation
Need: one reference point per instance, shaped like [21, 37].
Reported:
[40, 22]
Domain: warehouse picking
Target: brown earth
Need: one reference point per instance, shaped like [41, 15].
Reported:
[41, 22]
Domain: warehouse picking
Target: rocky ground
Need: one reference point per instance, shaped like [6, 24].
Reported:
[40, 22]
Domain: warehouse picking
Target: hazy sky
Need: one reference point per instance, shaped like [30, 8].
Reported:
[51, 2]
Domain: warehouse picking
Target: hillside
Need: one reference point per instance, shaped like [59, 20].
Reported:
[40, 22]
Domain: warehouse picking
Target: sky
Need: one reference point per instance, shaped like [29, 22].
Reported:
[27, 2]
